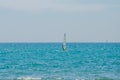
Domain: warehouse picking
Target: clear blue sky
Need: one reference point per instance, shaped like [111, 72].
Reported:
[48, 20]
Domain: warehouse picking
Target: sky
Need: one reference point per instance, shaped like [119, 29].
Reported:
[48, 20]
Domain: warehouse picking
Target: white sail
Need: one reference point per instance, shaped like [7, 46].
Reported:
[64, 43]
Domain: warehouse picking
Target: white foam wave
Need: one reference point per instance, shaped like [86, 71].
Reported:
[28, 78]
[47, 78]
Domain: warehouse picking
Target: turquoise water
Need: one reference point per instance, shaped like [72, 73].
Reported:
[47, 61]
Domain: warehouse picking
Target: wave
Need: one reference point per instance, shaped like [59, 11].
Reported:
[36, 78]
[48, 78]
[31, 78]
[28, 78]
[60, 78]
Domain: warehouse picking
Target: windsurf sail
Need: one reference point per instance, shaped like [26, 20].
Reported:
[64, 42]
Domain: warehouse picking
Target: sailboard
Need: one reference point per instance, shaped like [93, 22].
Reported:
[64, 43]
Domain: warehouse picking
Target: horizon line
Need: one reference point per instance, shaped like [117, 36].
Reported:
[61, 42]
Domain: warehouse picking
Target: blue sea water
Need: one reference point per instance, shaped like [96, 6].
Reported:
[47, 61]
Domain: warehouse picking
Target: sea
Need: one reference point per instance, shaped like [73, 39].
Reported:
[47, 61]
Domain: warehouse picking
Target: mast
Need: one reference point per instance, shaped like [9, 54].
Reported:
[64, 42]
